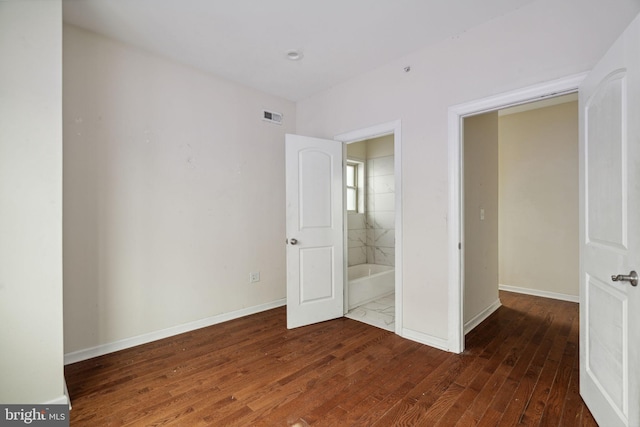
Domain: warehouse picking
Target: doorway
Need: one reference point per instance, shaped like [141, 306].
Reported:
[370, 210]
[520, 204]
[376, 232]
[456, 202]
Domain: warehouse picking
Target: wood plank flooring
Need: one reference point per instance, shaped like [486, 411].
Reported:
[520, 368]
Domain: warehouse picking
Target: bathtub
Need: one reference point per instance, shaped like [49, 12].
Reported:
[367, 282]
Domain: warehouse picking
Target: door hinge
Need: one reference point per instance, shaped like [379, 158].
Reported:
[459, 245]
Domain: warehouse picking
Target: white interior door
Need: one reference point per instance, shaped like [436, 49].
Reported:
[610, 234]
[315, 218]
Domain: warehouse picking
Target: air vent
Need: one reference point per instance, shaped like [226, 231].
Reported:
[272, 116]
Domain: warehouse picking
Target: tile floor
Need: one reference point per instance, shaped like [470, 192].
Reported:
[380, 313]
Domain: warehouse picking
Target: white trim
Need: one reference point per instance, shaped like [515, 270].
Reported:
[60, 400]
[456, 264]
[539, 293]
[482, 316]
[425, 339]
[395, 128]
[456, 114]
[66, 393]
[360, 186]
[102, 349]
[370, 132]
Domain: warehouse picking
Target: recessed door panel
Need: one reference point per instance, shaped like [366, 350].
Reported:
[607, 362]
[606, 163]
[315, 176]
[316, 274]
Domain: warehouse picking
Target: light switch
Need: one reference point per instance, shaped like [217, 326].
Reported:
[481, 214]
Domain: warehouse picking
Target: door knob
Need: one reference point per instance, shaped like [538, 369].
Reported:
[631, 278]
[293, 241]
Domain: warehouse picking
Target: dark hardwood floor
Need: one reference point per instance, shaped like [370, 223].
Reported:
[520, 368]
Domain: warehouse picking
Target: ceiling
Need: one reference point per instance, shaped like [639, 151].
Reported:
[246, 40]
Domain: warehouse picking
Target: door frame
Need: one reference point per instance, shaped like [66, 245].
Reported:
[456, 114]
[390, 128]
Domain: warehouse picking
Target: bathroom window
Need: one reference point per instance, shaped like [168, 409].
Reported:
[355, 186]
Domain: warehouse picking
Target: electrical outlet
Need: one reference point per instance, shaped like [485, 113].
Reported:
[254, 277]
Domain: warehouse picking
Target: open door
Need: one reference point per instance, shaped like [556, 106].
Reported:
[610, 234]
[315, 245]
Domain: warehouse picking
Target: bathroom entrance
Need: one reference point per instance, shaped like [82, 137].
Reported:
[370, 210]
[373, 226]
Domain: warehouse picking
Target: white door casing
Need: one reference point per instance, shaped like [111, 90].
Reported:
[569, 84]
[314, 226]
[610, 233]
[376, 131]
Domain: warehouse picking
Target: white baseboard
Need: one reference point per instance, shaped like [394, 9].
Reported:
[102, 349]
[480, 317]
[64, 399]
[539, 293]
[66, 393]
[60, 400]
[426, 339]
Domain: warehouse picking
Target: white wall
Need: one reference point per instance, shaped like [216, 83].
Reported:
[31, 360]
[480, 228]
[543, 41]
[174, 193]
[539, 200]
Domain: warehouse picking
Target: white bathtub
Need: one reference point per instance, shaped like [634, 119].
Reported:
[368, 282]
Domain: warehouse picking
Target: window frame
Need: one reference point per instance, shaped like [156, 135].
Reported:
[359, 184]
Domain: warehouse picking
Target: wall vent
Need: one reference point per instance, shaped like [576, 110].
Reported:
[272, 116]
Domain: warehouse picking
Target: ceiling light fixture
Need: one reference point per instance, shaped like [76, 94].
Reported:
[294, 55]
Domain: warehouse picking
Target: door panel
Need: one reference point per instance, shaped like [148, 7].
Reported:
[606, 151]
[315, 263]
[610, 234]
[315, 178]
[607, 364]
[316, 272]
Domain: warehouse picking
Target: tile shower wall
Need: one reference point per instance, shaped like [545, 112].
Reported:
[380, 211]
[357, 239]
[371, 235]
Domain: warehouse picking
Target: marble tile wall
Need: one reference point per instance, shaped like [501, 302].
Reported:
[357, 239]
[380, 211]
[371, 235]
